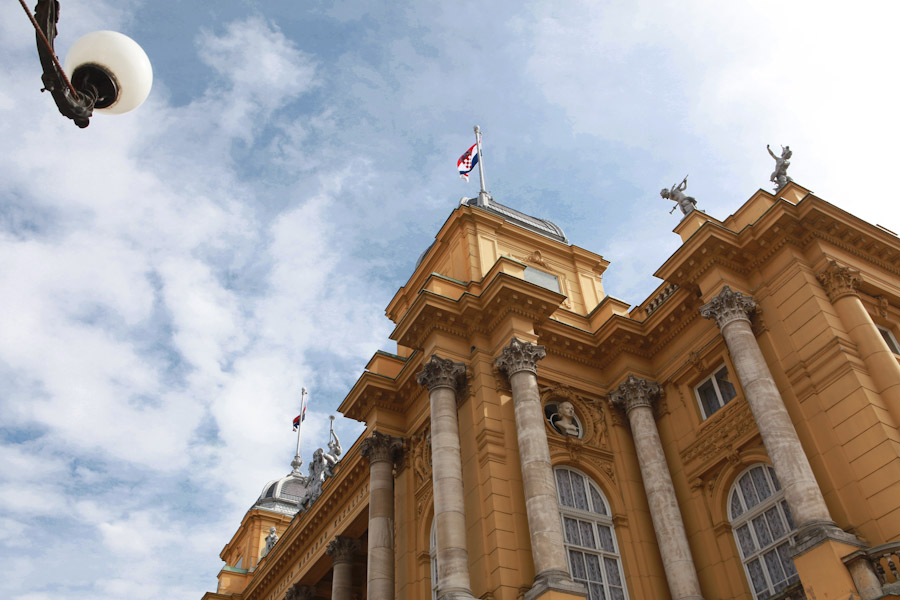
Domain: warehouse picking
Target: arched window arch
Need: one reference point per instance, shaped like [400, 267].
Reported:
[763, 530]
[432, 550]
[590, 539]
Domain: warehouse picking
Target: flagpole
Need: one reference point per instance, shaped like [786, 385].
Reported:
[482, 195]
[297, 462]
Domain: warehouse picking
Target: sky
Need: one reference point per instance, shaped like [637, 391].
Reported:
[170, 278]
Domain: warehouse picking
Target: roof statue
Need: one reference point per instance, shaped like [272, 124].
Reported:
[321, 468]
[779, 176]
[686, 203]
[270, 542]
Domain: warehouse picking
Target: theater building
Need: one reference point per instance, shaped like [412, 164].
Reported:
[735, 436]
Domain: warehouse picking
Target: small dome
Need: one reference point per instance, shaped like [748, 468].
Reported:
[283, 495]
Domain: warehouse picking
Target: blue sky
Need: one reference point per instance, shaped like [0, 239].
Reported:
[170, 278]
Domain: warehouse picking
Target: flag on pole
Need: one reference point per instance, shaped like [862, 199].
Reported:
[467, 161]
[302, 416]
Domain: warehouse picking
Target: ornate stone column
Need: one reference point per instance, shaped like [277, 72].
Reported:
[519, 362]
[443, 377]
[636, 396]
[381, 450]
[730, 309]
[300, 592]
[341, 550]
[841, 284]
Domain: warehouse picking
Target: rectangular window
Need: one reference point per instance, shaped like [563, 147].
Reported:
[889, 339]
[542, 278]
[714, 392]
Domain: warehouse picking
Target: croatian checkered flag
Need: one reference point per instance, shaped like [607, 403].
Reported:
[468, 161]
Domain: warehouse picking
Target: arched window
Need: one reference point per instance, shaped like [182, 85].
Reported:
[432, 541]
[590, 539]
[763, 530]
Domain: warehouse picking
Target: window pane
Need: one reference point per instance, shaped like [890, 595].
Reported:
[593, 567]
[612, 571]
[776, 525]
[577, 560]
[784, 552]
[587, 534]
[757, 578]
[597, 592]
[746, 541]
[750, 497]
[787, 514]
[616, 593]
[760, 483]
[763, 536]
[708, 398]
[565, 487]
[726, 389]
[773, 565]
[578, 482]
[606, 541]
[597, 501]
[571, 526]
[889, 340]
[774, 477]
[736, 508]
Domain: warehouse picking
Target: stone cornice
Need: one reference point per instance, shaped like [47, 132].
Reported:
[520, 356]
[728, 306]
[839, 281]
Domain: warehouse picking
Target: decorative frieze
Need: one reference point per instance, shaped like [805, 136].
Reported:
[728, 306]
[381, 447]
[520, 356]
[441, 372]
[730, 429]
[420, 448]
[839, 281]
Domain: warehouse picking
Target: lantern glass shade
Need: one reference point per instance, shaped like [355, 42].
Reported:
[115, 65]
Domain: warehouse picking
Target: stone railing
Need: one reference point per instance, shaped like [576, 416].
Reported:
[883, 562]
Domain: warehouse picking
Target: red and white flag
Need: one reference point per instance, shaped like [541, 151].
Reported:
[468, 161]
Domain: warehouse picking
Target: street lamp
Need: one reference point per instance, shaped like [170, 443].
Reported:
[104, 71]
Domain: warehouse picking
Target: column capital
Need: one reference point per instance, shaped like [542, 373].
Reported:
[441, 372]
[839, 281]
[342, 549]
[520, 356]
[635, 392]
[381, 447]
[300, 592]
[728, 306]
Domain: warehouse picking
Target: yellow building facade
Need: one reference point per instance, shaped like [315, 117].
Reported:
[735, 436]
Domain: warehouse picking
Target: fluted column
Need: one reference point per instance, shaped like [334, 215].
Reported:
[342, 550]
[519, 362]
[730, 309]
[381, 450]
[841, 284]
[443, 377]
[636, 396]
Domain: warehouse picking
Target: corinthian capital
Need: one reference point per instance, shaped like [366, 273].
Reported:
[441, 372]
[839, 281]
[634, 392]
[380, 447]
[520, 356]
[728, 306]
[342, 549]
[300, 592]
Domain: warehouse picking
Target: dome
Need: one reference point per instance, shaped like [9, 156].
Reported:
[283, 495]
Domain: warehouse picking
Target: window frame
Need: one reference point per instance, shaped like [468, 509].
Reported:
[596, 521]
[888, 336]
[715, 384]
[748, 518]
[432, 552]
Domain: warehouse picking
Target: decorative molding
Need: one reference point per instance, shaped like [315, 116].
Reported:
[721, 438]
[839, 281]
[698, 363]
[342, 549]
[381, 447]
[520, 356]
[635, 392]
[883, 306]
[442, 372]
[420, 445]
[300, 592]
[536, 258]
[727, 306]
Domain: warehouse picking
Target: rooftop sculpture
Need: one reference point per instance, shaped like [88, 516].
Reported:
[779, 176]
[686, 203]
